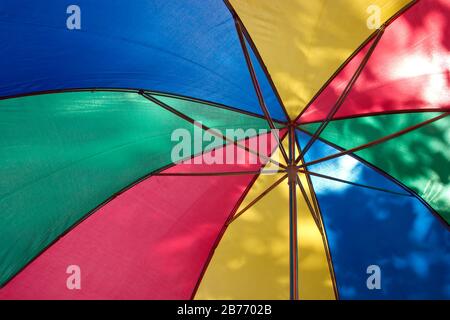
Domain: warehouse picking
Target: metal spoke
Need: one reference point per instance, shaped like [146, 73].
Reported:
[211, 131]
[353, 183]
[375, 142]
[308, 203]
[323, 233]
[343, 95]
[259, 197]
[258, 89]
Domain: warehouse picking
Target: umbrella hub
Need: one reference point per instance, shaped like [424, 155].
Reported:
[292, 171]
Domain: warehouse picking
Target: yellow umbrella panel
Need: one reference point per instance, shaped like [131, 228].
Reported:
[251, 260]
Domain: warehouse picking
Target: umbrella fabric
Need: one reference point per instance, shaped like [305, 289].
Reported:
[160, 254]
[87, 119]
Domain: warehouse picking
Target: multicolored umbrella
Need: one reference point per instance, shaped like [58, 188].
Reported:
[339, 187]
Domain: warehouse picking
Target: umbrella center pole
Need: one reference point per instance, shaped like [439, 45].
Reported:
[293, 241]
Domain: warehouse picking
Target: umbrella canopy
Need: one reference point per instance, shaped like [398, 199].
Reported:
[314, 164]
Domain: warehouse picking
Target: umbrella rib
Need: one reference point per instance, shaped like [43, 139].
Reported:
[319, 223]
[343, 95]
[259, 58]
[259, 197]
[353, 183]
[258, 88]
[316, 214]
[312, 191]
[212, 104]
[375, 142]
[353, 55]
[375, 114]
[313, 210]
[308, 203]
[218, 173]
[324, 235]
[206, 128]
[220, 235]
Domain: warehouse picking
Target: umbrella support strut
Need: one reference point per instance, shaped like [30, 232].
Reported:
[293, 243]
